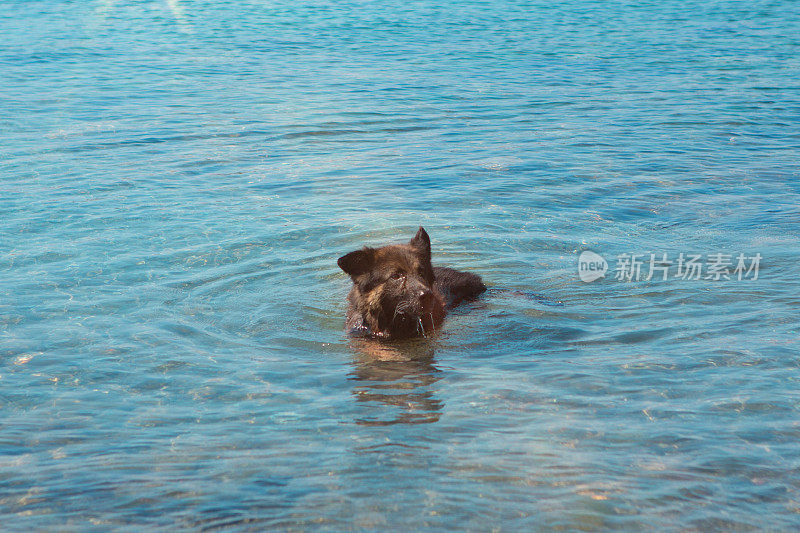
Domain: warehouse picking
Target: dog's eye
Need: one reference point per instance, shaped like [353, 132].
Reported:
[397, 275]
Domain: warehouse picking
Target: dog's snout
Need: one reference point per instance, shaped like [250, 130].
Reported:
[427, 300]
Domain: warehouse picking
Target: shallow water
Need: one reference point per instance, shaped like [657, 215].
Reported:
[178, 179]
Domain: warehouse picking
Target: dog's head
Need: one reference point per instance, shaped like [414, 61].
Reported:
[393, 288]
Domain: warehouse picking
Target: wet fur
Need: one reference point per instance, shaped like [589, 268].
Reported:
[397, 293]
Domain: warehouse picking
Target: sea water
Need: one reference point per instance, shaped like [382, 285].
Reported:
[178, 179]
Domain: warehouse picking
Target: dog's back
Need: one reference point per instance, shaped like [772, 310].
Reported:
[456, 286]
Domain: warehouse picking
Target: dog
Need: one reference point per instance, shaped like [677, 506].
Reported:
[398, 294]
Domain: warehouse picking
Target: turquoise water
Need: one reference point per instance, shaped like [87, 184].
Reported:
[178, 178]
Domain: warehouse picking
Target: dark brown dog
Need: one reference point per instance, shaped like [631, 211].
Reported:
[397, 293]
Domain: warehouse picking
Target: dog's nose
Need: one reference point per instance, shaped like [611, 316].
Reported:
[426, 301]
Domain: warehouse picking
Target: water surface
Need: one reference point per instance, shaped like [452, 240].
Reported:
[178, 178]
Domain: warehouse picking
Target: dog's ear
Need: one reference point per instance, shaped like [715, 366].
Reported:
[358, 262]
[422, 242]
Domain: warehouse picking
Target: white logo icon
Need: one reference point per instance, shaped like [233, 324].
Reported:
[591, 266]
